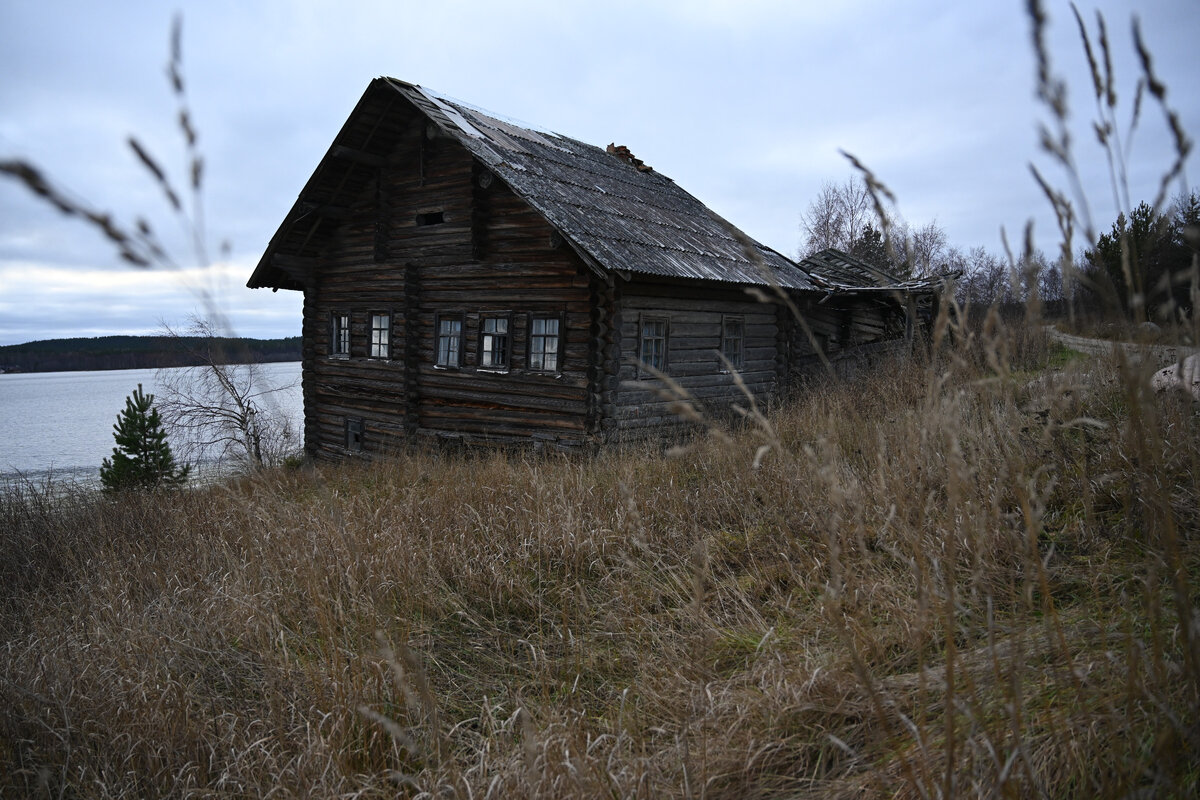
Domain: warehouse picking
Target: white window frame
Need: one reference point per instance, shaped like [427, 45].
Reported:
[381, 335]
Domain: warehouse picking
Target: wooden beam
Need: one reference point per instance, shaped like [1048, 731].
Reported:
[326, 210]
[357, 156]
[292, 263]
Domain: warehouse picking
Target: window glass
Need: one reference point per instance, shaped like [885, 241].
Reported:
[543, 344]
[493, 343]
[354, 433]
[340, 344]
[449, 342]
[733, 339]
[654, 343]
[381, 328]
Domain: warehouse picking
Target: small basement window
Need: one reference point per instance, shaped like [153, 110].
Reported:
[354, 433]
[430, 218]
[381, 329]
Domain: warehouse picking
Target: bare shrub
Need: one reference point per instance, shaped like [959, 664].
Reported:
[224, 408]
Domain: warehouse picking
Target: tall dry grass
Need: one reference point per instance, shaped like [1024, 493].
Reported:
[944, 579]
[975, 574]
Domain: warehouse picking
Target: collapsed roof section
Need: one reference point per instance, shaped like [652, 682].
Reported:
[833, 270]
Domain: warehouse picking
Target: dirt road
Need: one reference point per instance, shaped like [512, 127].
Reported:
[1161, 355]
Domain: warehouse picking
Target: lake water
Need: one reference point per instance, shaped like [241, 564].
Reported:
[60, 424]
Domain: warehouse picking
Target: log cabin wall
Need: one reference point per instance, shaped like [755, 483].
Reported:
[435, 237]
[697, 317]
[851, 331]
[421, 216]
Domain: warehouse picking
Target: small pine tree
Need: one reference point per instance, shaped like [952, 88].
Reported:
[142, 458]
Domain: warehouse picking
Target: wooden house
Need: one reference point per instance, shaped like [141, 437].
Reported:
[467, 277]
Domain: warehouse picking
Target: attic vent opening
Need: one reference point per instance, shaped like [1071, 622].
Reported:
[430, 218]
[622, 152]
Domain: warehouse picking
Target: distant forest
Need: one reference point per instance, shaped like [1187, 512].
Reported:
[142, 352]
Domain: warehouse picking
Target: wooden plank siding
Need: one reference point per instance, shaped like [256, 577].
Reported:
[851, 331]
[417, 213]
[488, 253]
[694, 315]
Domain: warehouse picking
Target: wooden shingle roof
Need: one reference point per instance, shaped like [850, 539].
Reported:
[614, 211]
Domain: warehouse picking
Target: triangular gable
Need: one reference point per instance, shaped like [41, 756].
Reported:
[618, 215]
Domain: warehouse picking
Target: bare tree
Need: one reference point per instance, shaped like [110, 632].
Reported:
[925, 248]
[837, 217]
[224, 410]
[1050, 281]
[844, 216]
[985, 278]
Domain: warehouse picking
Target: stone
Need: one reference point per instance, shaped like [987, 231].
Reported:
[1183, 375]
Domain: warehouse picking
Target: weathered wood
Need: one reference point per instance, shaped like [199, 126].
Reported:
[415, 227]
[477, 260]
[357, 156]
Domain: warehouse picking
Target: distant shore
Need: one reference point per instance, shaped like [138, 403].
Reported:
[142, 352]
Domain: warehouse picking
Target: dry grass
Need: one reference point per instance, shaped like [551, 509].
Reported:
[963, 577]
[945, 580]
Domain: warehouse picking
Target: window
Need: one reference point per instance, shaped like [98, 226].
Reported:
[543, 344]
[339, 345]
[449, 341]
[354, 433]
[733, 342]
[431, 218]
[381, 331]
[493, 343]
[653, 345]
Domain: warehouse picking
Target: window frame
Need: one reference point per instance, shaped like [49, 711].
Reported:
[339, 334]
[644, 366]
[739, 362]
[455, 316]
[559, 340]
[386, 344]
[354, 433]
[484, 318]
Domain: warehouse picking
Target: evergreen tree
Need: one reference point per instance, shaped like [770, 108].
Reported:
[1146, 258]
[871, 248]
[142, 458]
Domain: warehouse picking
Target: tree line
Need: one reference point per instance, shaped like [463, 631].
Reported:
[143, 352]
[1143, 268]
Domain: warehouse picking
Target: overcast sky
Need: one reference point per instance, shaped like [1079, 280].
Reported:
[745, 104]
